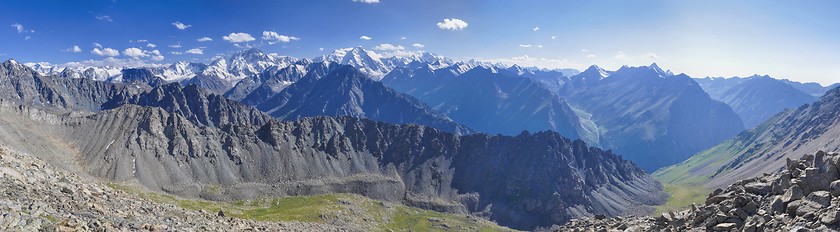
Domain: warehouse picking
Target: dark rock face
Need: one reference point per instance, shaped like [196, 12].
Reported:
[198, 106]
[651, 117]
[213, 84]
[763, 149]
[804, 195]
[347, 92]
[755, 99]
[488, 101]
[141, 76]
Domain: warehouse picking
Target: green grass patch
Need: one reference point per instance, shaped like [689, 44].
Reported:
[339, 209]
[681, 197]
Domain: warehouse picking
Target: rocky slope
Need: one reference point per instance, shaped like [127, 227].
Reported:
[346, 91]
[651, 116]
[804, 196]
[490, 102]
[755, 99]
[546, 179]
[37, 196]
[789, 134]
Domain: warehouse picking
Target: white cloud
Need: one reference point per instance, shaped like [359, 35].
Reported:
[138, 41]
[238, 37]
[590, 56]
[417, 45]
[554, 37]
[151, 45]
[321, 49]
[364, 37]
[403, 38]
[620, 55]
[74, 49]
[205, 39]
[176, 53]
[526, 45]
[178, 45]
[536, 29]
[245, 46]
[105, 18]
[521, 58]
[274, 37]
[134, 52]
[452, 24]
[110, 61]
[389, 47]
[27, 37]
[539, 45]
[97, 45]
[584, 50]
[180, 25]
[651, 56]
[100, 51]
[156, 56]
[367, 1]
[18, 27]
[196, 51]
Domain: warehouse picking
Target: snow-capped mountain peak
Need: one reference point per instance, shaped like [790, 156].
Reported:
[659, 70]
[368, 62]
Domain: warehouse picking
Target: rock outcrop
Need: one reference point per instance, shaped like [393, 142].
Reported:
[804, 196]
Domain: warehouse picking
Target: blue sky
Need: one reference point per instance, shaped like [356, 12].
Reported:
[799, 40]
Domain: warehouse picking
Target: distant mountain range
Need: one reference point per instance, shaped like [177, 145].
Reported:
[650, 115]
[489, 101]
[757, 98]
[191, 142]
[764, 148]
[345, 91]
[647, 114]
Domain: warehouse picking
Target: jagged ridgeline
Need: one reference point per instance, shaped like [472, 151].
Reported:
[186, 141]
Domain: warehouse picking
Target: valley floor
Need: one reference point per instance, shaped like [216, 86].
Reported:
[37, 196]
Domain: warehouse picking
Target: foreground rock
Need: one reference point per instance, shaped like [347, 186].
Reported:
[38, 197]
[804, 196]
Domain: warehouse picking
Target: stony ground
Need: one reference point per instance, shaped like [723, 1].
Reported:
[805, 196]
[38, 197]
